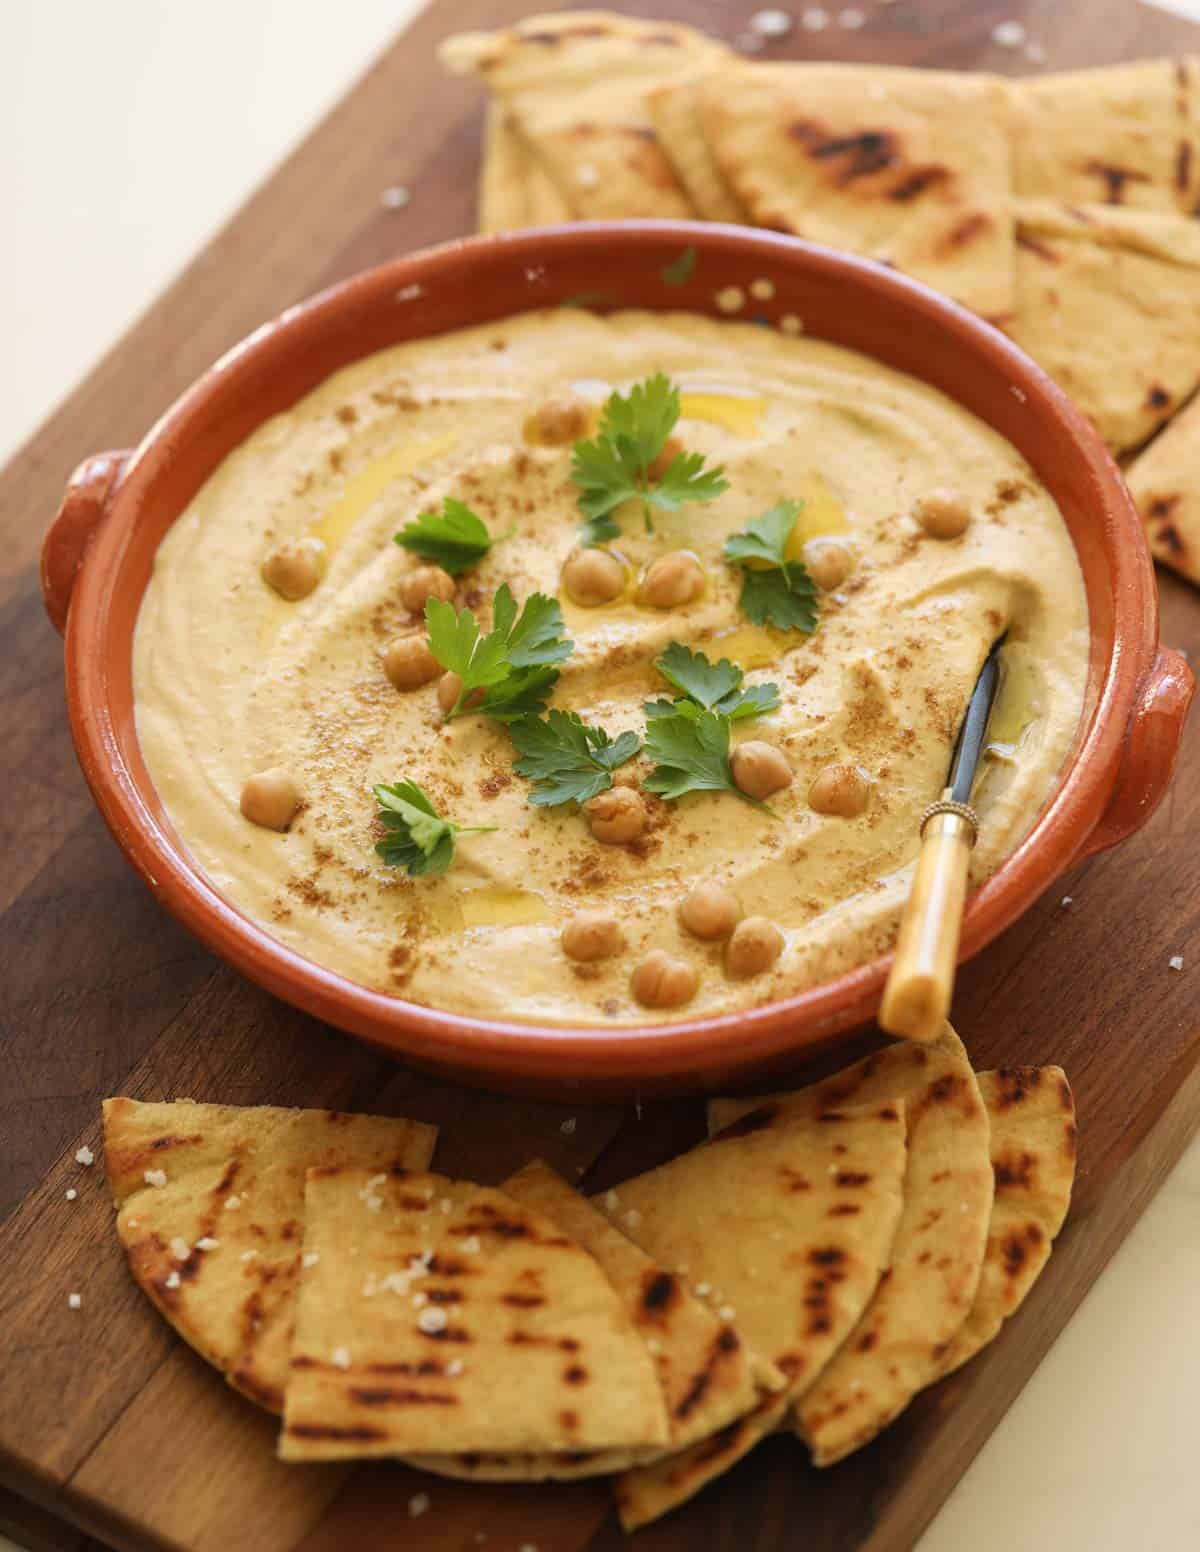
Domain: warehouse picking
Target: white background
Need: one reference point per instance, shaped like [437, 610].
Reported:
[130, 129]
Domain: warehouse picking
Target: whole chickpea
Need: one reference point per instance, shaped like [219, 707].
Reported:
[662, 461]
[270, 799]
[943, 514]
[592, 935]
[425, 582]
[617, 816]
[409, 663]
[663, 981]
[672, 581]
[593, 577]
[294, 569]
[754, 947]
[450, 688]
[562, 419]
[829, 563]
[710, 912]
[759, 769]
[842, 790]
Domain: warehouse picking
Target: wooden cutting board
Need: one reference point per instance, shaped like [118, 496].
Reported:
[110, 1424]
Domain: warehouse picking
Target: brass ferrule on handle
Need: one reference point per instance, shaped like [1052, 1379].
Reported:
[919, 989]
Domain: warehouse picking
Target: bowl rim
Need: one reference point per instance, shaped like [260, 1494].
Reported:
[497, 1048]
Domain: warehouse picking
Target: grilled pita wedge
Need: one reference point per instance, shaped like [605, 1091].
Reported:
[1165, 481]
[910, 167]
[896, 1349]
[1125, 135]
[1108, 302]
[210, 1202]
[1032, 1115]
[435, 1317]
[675, 109]
[575, 85]
[786, 1231]
[514, 189]
[708, 1377]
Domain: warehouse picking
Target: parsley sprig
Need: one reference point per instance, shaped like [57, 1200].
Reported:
[455, 538]
[708, 686]
[418, 838]
[513, 664]
[566, 759]
[691, 754]
[615, 466]
[775, 590]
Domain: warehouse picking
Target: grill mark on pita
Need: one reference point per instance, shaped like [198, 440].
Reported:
[552, 39]
[1115, 178]
[225, 1184]
[172, 1141]
[1157, 398]
[660, 1293]
[1070, 1140]
[445, 1295]
[290, 1230]
[424, 1369]
[919, 182]
[569, 1419]
[451, 1266]
[793, 1179]
[1015, 1085]
[412, 1203]
[852, 1178]
[966, 231]
[393, 1395]
[360, 1433]
[1169, 535]
[448, 1334]
[1018, 1171]
[1183, 166]
[1034, 244]
[843, 1210]
[522, 1300]
[576, 1374]
[725, 1343]
[870, 151]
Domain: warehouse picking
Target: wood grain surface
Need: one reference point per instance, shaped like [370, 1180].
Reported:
[111, 1428]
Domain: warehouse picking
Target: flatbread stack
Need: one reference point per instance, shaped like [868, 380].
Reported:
[1060, 207]
[821, 1259]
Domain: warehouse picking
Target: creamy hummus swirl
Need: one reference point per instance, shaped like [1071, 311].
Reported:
[230, 679]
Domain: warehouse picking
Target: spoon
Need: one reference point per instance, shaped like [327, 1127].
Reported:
[920, 986]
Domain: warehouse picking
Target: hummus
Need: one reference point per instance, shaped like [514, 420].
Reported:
[232, 679]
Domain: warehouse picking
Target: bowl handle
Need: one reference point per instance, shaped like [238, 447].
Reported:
[1151, 749]
[88, 495]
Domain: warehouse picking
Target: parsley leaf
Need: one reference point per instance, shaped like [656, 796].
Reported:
[566, 759]
[710, 686]
[418, 838]
[454, 538]
[691, 753]
[512, 664]
[775, 590]
[615, 466]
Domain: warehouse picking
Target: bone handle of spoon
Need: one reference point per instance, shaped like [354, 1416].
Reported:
[920, 986]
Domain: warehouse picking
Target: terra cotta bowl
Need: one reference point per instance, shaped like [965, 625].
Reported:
[97, 558]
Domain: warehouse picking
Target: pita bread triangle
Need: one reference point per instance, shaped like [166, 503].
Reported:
[575, 85]
[896, 1349]
[759, 1226]
[1032, 1115]
[675, 109]
[1125, 135]
[707, 1375]
[514, 189]
[1164, 482]
[909, 167]
[210, 1212]
[435, 1317]
[1108, 302]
